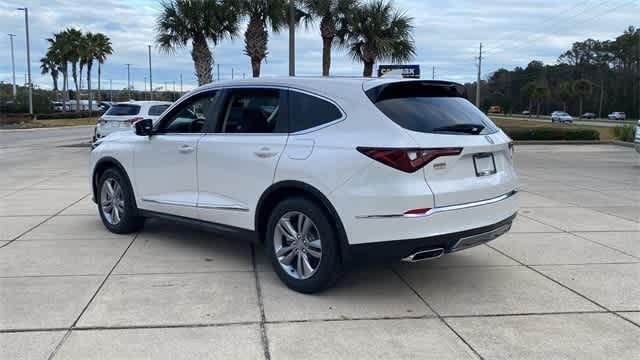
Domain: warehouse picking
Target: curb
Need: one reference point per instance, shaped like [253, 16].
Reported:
[45, 128]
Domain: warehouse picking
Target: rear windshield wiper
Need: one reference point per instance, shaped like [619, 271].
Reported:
[474, 129]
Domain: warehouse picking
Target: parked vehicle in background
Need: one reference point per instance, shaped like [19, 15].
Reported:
[120, 116]
[617, 115]
[322, 172]
[495, 109]
[637, 138]
[588, 115]
[561, 117]
[526, 112]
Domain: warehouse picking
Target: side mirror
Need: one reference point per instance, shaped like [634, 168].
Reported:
[144, 127]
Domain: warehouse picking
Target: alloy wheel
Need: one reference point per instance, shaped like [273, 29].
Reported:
[297, 244]
[112, 201]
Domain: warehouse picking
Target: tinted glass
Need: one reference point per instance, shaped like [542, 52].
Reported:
[310, 111]
[253, 111]
[156, 110]
[430, 108]
[123, 110]
[190, 116]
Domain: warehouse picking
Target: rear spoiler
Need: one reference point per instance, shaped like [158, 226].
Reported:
[413, 88]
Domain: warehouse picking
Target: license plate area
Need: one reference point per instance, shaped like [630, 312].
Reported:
[484, 164]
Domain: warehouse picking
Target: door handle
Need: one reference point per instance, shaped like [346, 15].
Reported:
[265, 152]
[185, 149]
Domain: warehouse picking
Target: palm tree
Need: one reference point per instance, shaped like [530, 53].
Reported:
[88, 55]
[582, 88]
[49, 65]
[377, 31]
[182, 21]
[262, 15]
[540, 94]
[102, 50]
[73, 39]
[333, 16]
[58, 50]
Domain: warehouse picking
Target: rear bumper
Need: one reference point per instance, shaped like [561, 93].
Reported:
[399, 249]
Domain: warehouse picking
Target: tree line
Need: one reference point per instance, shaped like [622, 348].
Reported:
[370, 32]
[592, 76]
[80, 50]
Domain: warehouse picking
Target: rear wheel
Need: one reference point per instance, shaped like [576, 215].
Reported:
[303, 246]
[116, 203]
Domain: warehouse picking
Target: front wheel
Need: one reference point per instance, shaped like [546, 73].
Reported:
[303, 246]
[116, 203]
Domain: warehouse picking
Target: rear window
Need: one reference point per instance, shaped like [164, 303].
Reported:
[156, 110]
[123, 110]
[430, 108]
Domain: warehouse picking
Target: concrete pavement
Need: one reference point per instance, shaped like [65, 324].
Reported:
[564, 283]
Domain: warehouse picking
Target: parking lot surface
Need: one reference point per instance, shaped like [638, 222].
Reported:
[564, 283]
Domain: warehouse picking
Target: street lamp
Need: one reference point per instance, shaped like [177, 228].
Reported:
[13, 66]
[150, 77]
[26, 25]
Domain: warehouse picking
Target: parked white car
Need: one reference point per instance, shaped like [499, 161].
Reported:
[617, 115]
[561, 117]
[322, 172]
[120, 116]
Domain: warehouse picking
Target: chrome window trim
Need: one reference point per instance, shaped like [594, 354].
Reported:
[443, 209]
[279, 87]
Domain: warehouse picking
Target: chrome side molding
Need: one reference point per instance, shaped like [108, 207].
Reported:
[444, 208]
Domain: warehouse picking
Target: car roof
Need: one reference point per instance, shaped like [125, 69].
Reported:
[330, 86]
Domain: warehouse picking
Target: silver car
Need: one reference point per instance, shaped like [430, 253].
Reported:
[561, 117]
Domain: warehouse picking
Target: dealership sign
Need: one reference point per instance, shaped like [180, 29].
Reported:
[405, 71]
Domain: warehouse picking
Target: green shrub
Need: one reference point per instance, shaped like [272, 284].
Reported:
[552, 134]
[625, 132]
[68, 115]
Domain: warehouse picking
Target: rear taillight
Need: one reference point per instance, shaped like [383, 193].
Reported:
[407, 159]
[135, 120]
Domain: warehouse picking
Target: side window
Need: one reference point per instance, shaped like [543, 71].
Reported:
[191, 116]
[253, 111]
[157, 110]
[309, 111]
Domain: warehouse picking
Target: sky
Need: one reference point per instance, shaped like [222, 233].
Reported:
[447, 36]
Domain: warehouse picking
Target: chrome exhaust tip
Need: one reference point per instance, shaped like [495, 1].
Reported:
[424, 255]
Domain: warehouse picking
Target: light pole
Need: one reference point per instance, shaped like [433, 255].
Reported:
[129, 80]
[26, 25]
[150, 78]
[13, 66]
[180, 84]
[292, 38]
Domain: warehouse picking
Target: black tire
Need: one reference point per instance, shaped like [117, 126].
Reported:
[329, 268]
[130, 221]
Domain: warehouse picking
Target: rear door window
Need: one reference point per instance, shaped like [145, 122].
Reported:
[308, 111]
[124, 110]
[157, 110]
[430, 108]
[254, 111]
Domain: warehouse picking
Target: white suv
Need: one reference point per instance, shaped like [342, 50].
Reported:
[121, 116]
[323, 172]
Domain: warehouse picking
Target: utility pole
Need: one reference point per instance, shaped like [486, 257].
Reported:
[180, 84]
[111, 91]
[292, 38]
[145, 87]
[150, 78]
[433, 73]
[218, 66]
[13, 66]
[478, 81]
[173, 96]
[129, 80]
[231, 73]
[26, 25]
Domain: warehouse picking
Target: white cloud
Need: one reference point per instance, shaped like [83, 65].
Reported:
[447, 35]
